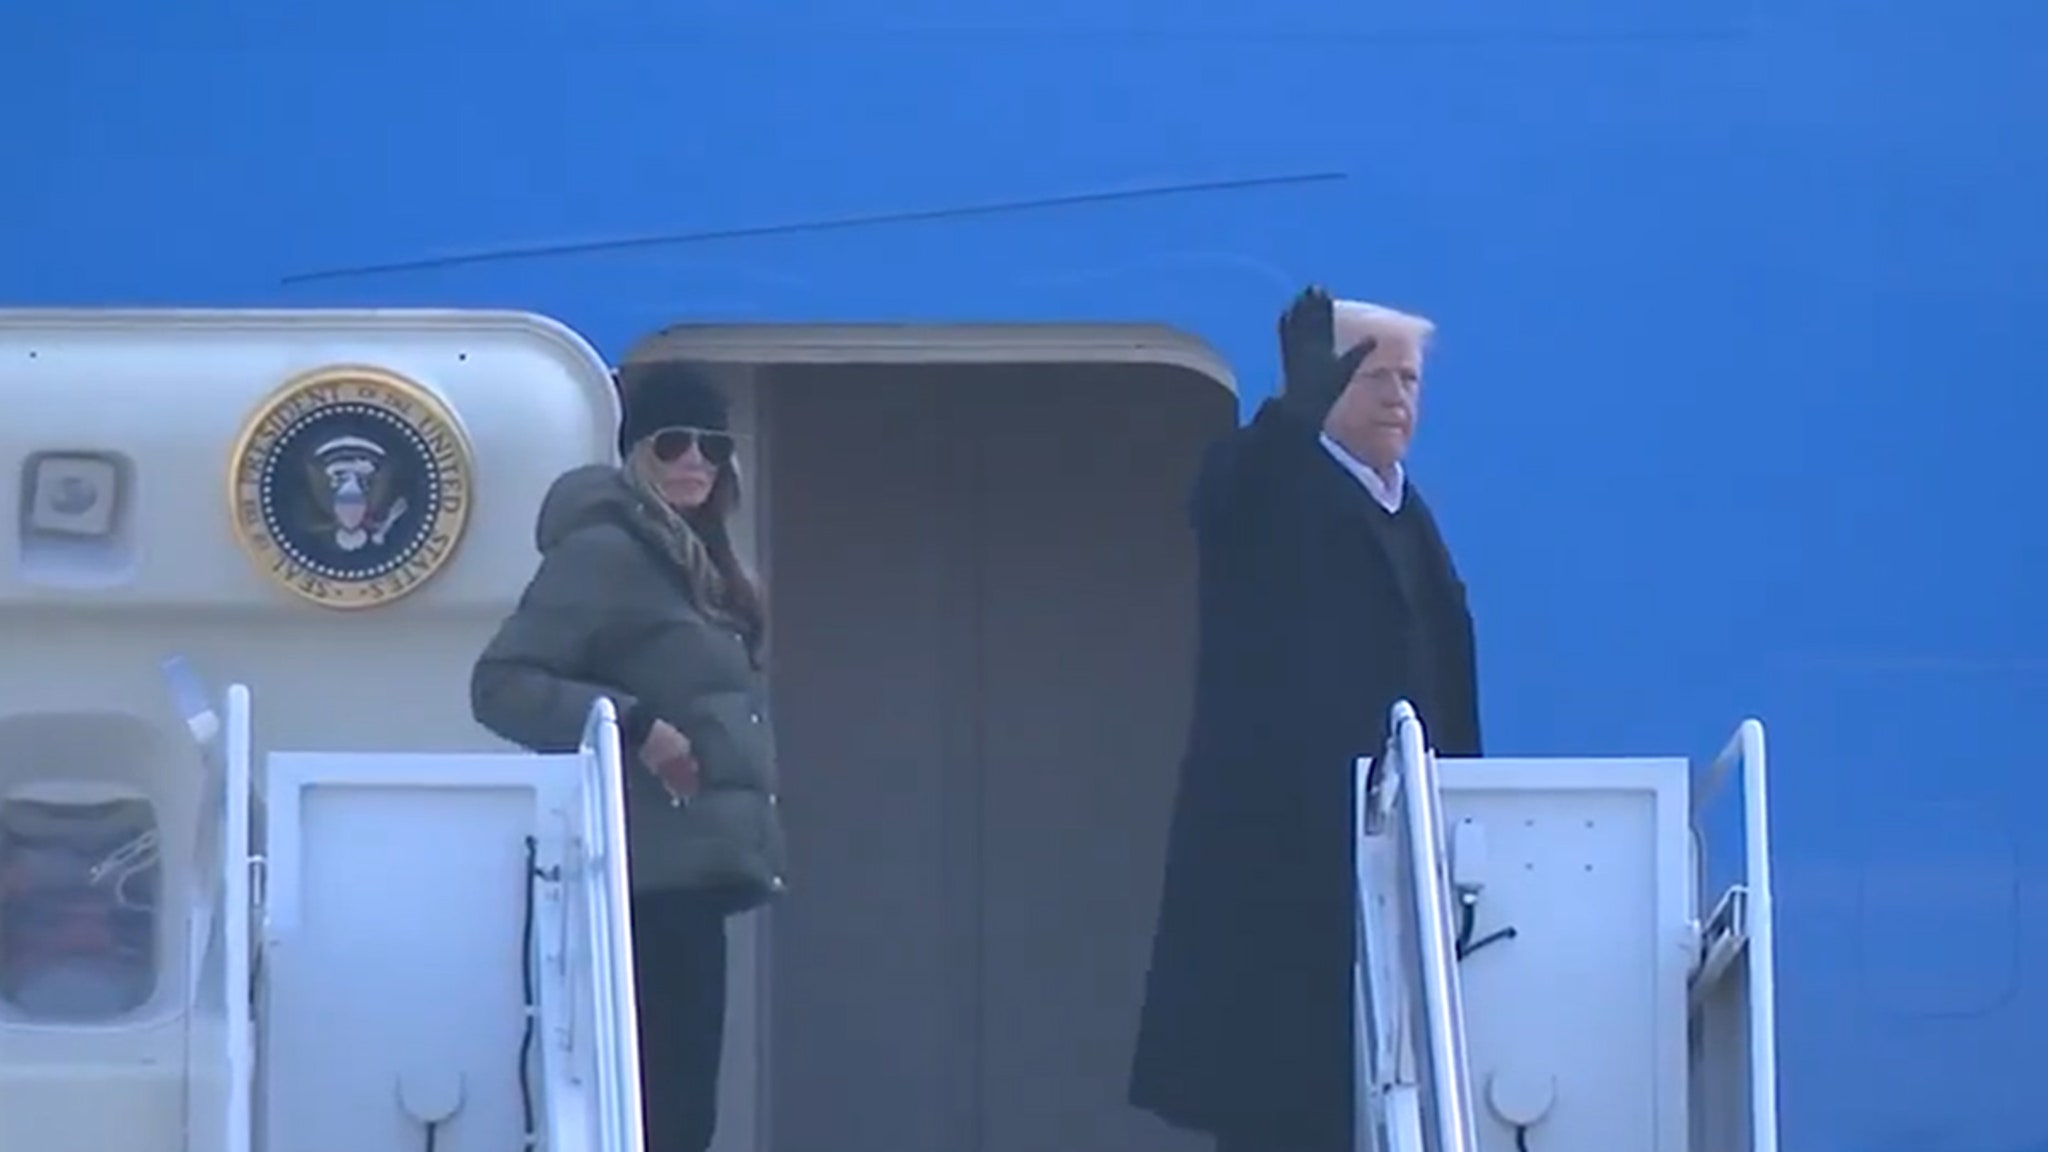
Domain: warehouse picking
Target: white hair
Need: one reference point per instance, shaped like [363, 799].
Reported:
[1353, 321]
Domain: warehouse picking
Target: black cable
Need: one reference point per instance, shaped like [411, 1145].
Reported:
[1522, 1138]
[527, 986]
[527, 983]
[1489, 939]
[1468, 920]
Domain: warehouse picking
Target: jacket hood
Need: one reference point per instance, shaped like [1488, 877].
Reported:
[593, 494]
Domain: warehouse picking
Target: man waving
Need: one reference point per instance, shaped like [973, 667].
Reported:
[1326, 595]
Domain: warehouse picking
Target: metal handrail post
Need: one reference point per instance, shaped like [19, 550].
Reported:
[1443, 1016]
[616, 1033]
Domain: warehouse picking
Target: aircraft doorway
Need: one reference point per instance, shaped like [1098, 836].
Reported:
[982, 584]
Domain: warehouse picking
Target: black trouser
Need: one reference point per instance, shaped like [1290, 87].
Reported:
[679, 977]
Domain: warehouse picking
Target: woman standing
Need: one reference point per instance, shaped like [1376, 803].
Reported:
[641, 597]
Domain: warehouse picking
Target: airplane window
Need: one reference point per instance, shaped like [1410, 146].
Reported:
[78, 909]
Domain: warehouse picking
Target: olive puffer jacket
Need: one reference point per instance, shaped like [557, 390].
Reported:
[610, 614]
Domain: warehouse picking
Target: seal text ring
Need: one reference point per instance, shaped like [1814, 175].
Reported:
[350, 486]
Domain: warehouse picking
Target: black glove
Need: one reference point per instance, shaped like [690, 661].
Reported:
[1314, 375]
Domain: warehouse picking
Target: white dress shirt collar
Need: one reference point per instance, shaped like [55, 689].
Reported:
[1386, 493]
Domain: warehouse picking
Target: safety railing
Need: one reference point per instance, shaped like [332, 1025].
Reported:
[607, 922]
[221, 947]
[1734, 984]
[239, 896]
[1415, 1093]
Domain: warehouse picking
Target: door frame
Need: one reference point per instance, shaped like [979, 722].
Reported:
[736, 353]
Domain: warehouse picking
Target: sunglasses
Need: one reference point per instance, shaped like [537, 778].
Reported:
[672, 444]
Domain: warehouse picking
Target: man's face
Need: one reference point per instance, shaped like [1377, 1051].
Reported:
[1375, 415]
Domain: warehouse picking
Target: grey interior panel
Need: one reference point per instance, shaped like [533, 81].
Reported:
[983, 586]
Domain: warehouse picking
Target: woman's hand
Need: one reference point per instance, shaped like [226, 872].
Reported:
[666, 753]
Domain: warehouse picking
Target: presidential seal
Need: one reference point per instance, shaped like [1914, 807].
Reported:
[350, 486]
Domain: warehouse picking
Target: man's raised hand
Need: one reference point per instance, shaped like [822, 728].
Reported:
[1314, 374]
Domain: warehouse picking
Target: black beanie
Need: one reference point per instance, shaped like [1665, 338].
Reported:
[661, 394]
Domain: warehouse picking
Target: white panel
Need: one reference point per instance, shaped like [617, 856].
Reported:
[141, 407]
[161, 395]
[394, 942]
[164, 393]
[1587, 861]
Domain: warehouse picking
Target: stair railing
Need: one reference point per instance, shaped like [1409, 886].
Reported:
[615, 1031]
[1415, 1090]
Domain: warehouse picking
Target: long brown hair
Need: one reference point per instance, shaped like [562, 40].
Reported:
[700, 541]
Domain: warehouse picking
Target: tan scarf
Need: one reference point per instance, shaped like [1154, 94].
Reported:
[682, 543]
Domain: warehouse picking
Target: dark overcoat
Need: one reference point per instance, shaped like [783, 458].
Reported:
[1310, 631]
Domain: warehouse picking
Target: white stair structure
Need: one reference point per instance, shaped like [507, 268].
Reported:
[482, 949]
[1534, 970]
[454, 924]
[459, 918]
[531, 981]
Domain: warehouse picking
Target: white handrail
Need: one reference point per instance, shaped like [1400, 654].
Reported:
[238, 919]
[1745, 753]
[1388, 1102]
[1415, 1089]
[223, 900]
[1443, 1032]
[615, 1033]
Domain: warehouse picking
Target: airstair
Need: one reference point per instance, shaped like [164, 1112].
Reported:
[545, 924]
[1538, 970]
[1535, 971]
[483, 932]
